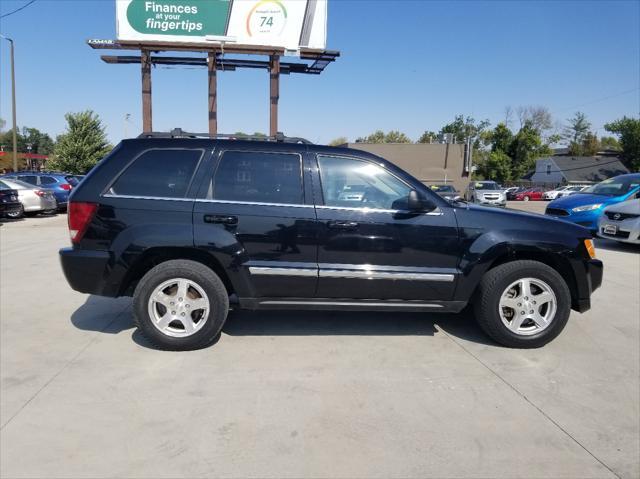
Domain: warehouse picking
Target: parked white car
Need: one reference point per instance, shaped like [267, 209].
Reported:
[563, 191]
[34, 200]
[621, 222]
[571, 190]
[553, 194]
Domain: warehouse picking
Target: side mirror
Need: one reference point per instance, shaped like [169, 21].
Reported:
[417, 203]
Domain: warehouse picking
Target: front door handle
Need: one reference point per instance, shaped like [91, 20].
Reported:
[342, 225]
[221, 219]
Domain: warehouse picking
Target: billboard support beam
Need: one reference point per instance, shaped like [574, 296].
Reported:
[145, 62]
[274, 73]
[213, 93]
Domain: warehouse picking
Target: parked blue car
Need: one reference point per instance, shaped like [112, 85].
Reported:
[60, 184]
[586, 207]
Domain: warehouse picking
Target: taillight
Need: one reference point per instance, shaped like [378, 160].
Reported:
[66, 186]
[79, 216]
[40, 193]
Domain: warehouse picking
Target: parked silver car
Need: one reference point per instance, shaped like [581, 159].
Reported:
[486, 193]
[621, 222]
[34, 200]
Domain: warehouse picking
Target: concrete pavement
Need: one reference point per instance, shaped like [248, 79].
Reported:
[308, 394]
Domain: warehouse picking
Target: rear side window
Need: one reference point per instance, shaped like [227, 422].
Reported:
[31, 179]
[47, 180]
[259, 177]
[158, 173]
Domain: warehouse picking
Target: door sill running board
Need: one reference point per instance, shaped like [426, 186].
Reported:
[364, 304]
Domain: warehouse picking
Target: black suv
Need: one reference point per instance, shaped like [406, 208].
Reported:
[188, 225]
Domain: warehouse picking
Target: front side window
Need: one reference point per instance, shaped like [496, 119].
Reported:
[258, 177]
[354, 183]
[158, 173]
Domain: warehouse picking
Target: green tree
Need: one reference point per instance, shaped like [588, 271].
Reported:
[41, 143]
[379, 136]
[83, 144]
[395, 136]
[628, 129]
[610, 143]
[496, 166]
[576, 129]
[462, 128]
[500, 138]
[428, 137]
[525, 148]
[341, 140]
[590, 144]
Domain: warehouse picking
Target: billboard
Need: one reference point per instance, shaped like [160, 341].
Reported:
[289, 24]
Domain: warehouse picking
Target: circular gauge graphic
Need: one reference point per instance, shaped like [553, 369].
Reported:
[267, 17]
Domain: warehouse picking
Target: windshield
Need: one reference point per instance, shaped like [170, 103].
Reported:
[443, 188]
[614, 186]
[486, 185]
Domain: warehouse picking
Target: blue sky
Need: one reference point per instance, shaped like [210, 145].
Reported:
[407, 65]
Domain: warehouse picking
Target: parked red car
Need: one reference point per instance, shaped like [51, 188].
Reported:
[530, 194]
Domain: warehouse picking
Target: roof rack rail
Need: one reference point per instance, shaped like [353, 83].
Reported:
[180, 133]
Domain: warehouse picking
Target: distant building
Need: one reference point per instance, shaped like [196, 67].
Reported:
[431, 163]
[561, 169]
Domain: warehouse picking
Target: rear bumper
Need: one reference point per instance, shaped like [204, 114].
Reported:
[86, 270]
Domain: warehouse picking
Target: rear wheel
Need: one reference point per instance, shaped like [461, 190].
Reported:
[16, 214]
[180, 305]
[522, 304]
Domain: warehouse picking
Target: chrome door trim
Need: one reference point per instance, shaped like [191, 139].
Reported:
[436, 212]
[136, 197]
[369, 274]
[252, 203]
[275, 271]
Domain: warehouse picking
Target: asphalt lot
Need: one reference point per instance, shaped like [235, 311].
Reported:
[308, 394]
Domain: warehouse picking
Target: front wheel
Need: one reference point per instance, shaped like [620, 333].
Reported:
[522, 304]
[180, 305]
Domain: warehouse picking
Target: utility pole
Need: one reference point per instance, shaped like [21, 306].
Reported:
[13, 103]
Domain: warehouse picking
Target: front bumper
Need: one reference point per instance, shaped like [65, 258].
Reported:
[627, 231]
[587, 219]
[500, 203]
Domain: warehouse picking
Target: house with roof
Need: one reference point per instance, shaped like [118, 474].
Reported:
[583, 170]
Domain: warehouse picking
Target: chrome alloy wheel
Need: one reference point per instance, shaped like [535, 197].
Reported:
[528, 306]
[178, 307]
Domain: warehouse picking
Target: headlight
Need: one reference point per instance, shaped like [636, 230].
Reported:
[587, 208]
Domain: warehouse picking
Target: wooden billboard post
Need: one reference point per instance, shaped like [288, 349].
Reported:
[213, 93]
[214, 62]
[145, 62]
[274, 84]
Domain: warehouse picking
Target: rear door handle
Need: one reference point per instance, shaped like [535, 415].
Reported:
[342, 225]
[221, 219]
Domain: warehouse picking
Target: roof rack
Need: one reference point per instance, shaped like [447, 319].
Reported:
[179, 133]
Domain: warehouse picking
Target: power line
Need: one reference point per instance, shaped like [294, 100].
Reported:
[602, 99]
[18, 9]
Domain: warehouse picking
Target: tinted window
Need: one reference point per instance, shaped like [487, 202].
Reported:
[259, 177]
[159, 173]
[31, 179]
[359, 184]
[47, 180]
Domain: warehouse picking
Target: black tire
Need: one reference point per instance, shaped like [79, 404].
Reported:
[16, 215]
[494, 283]
[193, 271]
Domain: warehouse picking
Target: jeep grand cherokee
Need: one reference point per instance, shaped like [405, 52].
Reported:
[187, 224]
